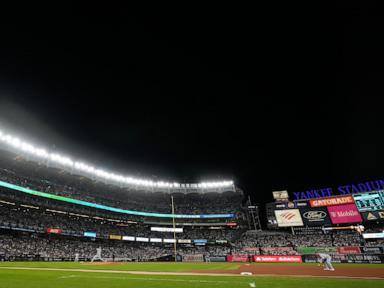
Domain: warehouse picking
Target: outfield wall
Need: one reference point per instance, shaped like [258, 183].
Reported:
[310, 258]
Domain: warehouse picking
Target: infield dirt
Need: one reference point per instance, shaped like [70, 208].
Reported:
[304, 270]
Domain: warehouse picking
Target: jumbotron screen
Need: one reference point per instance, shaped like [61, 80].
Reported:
[371, 201]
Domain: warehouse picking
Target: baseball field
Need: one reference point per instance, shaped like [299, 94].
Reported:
[186, 275]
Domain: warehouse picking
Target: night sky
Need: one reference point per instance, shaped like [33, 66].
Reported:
[285, 100]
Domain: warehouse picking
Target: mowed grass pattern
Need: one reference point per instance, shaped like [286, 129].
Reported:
[132, 266]
[70, 279]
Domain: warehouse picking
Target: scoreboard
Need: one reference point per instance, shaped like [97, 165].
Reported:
[371, 201]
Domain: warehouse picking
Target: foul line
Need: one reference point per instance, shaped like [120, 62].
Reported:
[187, 273]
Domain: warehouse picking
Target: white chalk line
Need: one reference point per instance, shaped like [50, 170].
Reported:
[189, 273]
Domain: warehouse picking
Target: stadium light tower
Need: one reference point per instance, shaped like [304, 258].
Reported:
[253, 215]
[174, 229]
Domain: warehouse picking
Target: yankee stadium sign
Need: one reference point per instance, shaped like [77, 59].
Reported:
[341, 190]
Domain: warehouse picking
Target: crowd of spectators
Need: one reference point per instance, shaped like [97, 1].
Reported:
[343, 238]
[58, 246]
[39, 220]
[33, 245]
[262, 241]
[24, 246]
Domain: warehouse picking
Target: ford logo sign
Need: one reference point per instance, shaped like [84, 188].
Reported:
[315, 215]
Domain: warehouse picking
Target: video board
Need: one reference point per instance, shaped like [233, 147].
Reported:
[371, 201]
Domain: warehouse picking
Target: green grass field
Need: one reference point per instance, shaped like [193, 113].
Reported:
[73, 279]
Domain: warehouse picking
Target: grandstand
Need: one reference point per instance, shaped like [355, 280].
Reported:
[42, 203]
[53, 208]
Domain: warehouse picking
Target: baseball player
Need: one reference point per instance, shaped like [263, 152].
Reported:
[326, 259]
[98, 255]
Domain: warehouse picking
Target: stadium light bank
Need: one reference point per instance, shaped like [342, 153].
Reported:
[16, 144]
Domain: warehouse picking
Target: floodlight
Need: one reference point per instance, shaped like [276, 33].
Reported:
[19, 144]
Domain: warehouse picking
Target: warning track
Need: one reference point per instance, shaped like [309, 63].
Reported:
[257, 270]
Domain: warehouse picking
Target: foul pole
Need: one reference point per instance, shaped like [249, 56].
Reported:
[174, 229]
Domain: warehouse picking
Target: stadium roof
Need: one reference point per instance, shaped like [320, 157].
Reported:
[17, 145]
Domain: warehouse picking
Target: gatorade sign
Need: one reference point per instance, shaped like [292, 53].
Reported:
[332, 201]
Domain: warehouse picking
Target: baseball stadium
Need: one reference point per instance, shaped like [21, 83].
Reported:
[66, 223]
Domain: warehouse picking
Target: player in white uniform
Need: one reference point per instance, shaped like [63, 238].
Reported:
[98, 255]
[326, 259]
[77, 255]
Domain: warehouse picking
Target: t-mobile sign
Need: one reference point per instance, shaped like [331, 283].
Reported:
[344, 214]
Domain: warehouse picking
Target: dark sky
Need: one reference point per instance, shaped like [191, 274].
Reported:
[284, 99]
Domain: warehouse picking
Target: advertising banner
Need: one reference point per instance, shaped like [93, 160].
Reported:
[349, 250]
[301, 204]
[331, 201]
[372, 250]
[217, 258]
[290, 205]
[237, 258]
[221, 241]
[169, 240]
[365, 258]
[54, 231]
[280, 195]
[278, 259]
[184, 241]
[276, 249]
[165, 229]
[313, 250]
[142, 239]
[371, 201]
[193, 258]
[200, 241]
[373, 235]
[344, 214]
[288, 218]
[281, 206]
[115, 237]
[156, 240]
[375, 216]
[315, 216]
[351, 258]
[128, 238]
[251, 249]
[90, 234]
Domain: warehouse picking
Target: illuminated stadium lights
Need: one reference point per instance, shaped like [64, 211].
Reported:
[22, 146]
